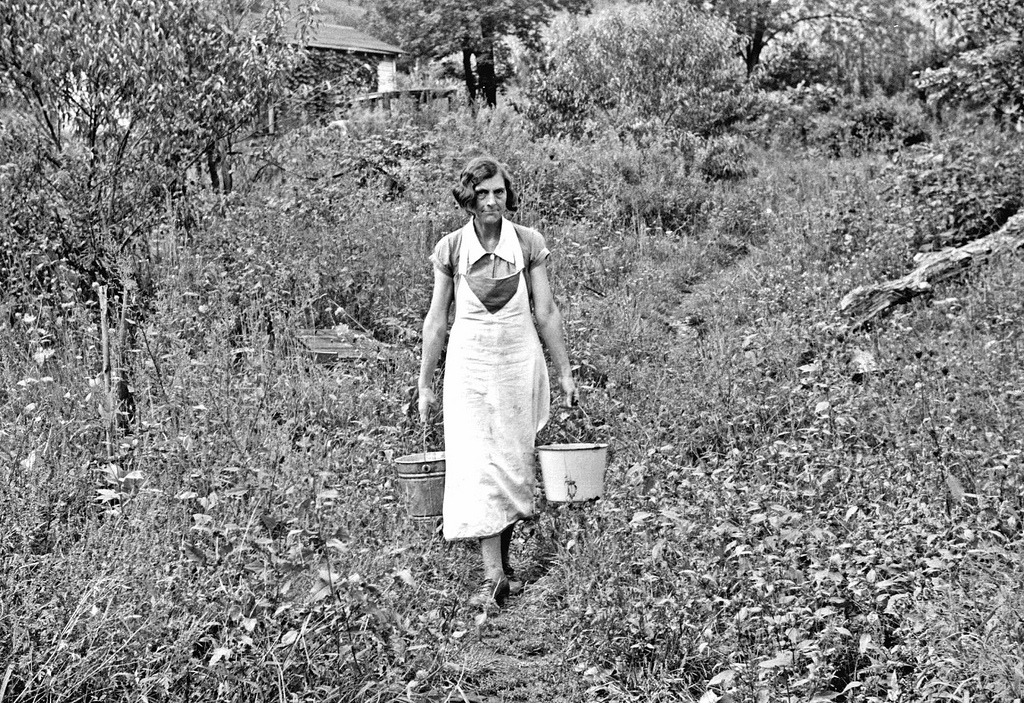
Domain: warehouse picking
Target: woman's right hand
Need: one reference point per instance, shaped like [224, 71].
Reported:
[427, 401]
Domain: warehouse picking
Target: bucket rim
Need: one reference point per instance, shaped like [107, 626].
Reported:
[420, 458]
[572, 447]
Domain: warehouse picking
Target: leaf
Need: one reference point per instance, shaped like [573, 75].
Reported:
[822, 407]
[29, 462]
[863, 362]
[405, 576]
[106, 495]
[218, 654]
[784, 658]
[289, 638]
[722, 678]
[865, 643]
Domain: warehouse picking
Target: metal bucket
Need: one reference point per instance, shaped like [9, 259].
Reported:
[573, 473]
[421, 483]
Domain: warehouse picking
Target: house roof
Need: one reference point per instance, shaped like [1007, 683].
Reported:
[342, 38]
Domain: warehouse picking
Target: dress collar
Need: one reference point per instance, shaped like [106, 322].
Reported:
[506, 248]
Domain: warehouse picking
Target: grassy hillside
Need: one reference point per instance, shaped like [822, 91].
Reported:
[794, 511]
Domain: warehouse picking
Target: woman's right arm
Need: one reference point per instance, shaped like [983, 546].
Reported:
[435, 325]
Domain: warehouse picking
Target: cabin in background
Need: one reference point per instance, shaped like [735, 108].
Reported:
[341, 63]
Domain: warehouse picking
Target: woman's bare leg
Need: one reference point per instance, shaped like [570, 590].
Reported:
[490, 550]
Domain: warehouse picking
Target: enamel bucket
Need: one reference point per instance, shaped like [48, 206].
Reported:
[421, 483]
[573, 473]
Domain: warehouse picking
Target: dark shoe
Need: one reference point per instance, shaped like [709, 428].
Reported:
[515, 586]
[491, 593]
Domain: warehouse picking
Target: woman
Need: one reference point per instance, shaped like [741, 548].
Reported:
[496, 395]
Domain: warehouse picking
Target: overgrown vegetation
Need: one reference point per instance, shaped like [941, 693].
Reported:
[793, 511]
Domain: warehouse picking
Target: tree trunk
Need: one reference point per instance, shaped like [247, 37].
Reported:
[213, 166]
[867, 302]
[755, 45]
[219, 166]
[467, 70]
[485, 67]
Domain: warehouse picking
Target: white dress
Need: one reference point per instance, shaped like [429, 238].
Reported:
[496, 395]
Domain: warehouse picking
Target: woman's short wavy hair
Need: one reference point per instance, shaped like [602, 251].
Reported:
[478, 169]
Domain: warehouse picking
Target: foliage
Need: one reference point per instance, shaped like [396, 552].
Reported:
[880, 123]
[986, 71]
[801, 64]
[725, 158]
[962, 187]
[792, 511]
[640, 69]
[428, 29]
[821, 118]
[110, 108]
[868, 42]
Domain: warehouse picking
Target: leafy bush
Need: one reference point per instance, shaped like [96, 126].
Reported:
[962, 187]
[637, 68]
[879, 123]
[800, 65]
[107, 113]
[724, 158]
[985, 72]
[819, 117]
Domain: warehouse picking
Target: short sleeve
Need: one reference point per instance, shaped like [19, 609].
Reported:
[536, 249]
[443, 258]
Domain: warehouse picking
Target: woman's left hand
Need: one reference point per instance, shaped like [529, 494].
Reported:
[569, 390]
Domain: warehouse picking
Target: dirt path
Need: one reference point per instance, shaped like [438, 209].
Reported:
[522, 654]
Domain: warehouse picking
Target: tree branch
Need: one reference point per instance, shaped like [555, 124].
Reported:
[864, 303]
[812, 18]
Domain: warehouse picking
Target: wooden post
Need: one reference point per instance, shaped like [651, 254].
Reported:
[107, 404]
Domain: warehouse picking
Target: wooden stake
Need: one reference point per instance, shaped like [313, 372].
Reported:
[108, 405]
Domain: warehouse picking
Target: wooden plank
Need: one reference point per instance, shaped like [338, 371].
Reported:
[329, 347]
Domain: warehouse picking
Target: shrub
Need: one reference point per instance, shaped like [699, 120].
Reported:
[880, 123]
[115, 106]
[963, 187]
[725, 158]
[820, 117]
[638, 67]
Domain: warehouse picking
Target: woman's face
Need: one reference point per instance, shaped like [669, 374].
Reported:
[489, 206]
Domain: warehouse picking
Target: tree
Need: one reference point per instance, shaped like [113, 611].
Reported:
[113, 102]
[434, 29]
[987, 66]
[857, 28]
[653, 66]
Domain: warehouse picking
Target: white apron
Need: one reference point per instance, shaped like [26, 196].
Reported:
[496, 399]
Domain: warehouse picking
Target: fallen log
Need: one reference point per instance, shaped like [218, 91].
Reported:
[864, 303]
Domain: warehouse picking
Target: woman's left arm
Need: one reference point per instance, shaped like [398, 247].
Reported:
[549, 325]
